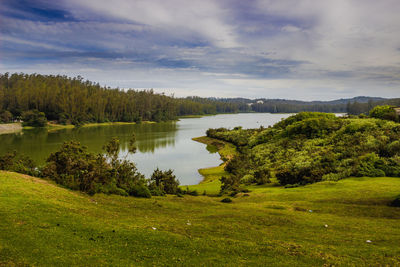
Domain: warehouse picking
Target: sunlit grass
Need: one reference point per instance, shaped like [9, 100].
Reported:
[324, 223]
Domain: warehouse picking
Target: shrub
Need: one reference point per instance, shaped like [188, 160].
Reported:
[18, 163]
[335, 176]
[303, 116]
[238, 165]
[396, 202]
[163, 182]
[74, 167]
[292, 185]
[384, 112]
[300, 171]
[368, 165]
[140, 190]
[226, 200]
[262, 176]
[5, 116]
[233, 193]
[192, 193]
[247, 179]
[230, 183]
[313, 127]
[63, 118]
[394, 148]
[34, 118]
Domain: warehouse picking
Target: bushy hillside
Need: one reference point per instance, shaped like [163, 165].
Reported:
[310, 147]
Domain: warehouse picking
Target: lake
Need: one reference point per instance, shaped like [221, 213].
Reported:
[166, 145]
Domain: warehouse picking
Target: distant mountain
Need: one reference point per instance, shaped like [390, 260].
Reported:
[359, 99]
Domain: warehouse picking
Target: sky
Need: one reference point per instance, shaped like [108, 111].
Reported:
[292, 49]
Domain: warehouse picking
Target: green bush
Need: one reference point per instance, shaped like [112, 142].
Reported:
[230, 183]
[5, 116]
[163, 182]
[226, 200]
[303, 116]
[74, 167]
[140, 190]
[336, 176]
[192, 193]
[368, 165]
[313, 127]
[384, 112]
[395, 202]
[247, 179]
[34, 118]
[262, 175]
[12, 161]
[292, 185]
[394, 148]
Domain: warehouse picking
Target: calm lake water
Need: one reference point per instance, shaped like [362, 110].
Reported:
[166, 145]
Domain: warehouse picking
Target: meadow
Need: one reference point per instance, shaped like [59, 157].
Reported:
[347, 222]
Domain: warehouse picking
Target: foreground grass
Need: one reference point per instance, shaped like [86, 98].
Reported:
[43, 224]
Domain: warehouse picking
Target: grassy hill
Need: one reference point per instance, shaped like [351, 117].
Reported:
[326, 223]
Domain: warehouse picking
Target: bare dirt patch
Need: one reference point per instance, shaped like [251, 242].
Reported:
[10, 128]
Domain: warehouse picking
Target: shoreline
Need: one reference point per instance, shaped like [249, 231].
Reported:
[211, 183]
[9, 128]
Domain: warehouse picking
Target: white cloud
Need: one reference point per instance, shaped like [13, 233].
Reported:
[301, 49]
[183, 17]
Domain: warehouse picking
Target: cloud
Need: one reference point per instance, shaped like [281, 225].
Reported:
[261, 48]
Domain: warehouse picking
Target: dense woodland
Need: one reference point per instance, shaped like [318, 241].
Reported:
[77, 101]
[357, 108]
[310, 147]
[354, 106]
[73, 100]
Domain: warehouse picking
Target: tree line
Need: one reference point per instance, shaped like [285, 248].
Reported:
[357, 108]
[76, 101]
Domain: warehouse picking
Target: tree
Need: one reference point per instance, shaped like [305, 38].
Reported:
[34, 118]
[5, 116]
[163, 182]
[76, 168]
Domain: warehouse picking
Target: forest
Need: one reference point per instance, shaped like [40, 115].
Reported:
[76, 101]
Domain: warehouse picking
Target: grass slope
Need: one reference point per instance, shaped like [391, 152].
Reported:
[211, 183]
[43, 224]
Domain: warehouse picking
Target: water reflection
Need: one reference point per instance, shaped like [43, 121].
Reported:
[163, 145]
[38, 143]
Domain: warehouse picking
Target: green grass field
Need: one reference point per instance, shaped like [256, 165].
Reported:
[43, 224]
